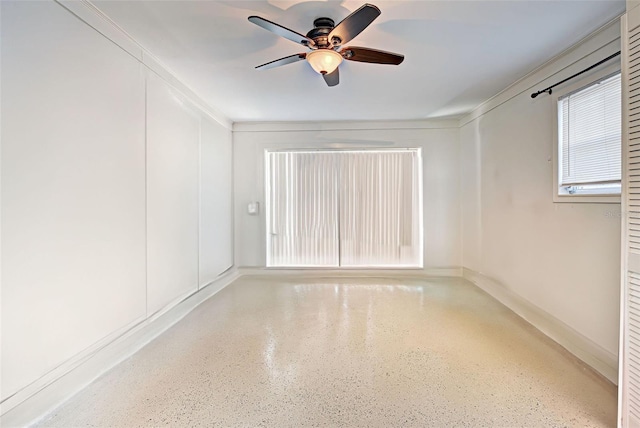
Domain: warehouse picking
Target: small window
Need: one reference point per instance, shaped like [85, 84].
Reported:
[590, 140]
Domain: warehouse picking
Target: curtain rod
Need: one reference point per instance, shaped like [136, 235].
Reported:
[549, 89]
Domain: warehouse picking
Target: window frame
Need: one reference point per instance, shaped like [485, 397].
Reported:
[420, 215]
[590, 79]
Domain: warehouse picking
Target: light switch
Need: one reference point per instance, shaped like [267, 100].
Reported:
[253, 208]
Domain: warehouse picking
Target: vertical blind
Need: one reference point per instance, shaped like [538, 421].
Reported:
[379, 209]
[302, 209]
[590, 133]
[344, 208]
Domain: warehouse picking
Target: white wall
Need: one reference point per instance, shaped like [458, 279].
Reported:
[105, 215]
[440, 154]
[563, 258]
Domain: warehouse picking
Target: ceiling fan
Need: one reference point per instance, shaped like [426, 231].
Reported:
[326, 43]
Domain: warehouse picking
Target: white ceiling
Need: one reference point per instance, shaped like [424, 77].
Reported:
[457, 53]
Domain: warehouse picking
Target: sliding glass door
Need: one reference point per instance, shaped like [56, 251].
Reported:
[344, 208]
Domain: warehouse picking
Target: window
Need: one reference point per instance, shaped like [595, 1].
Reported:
[347, 208]
[589, 141]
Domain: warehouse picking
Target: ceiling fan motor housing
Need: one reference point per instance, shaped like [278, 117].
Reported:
[320, 32]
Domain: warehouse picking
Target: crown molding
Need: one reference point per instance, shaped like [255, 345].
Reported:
[367, 125]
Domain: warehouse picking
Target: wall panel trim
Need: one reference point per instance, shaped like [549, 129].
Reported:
[351, 272]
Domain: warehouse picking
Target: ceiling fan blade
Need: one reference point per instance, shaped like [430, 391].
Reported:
[282, 31]
[354, 53]
[353, 24]
[282, 61]
[332, 78]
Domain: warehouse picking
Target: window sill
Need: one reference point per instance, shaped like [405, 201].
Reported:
[587, 199]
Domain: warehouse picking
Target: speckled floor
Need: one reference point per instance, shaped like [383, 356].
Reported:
[347, 352]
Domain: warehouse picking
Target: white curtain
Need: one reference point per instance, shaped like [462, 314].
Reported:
[344, 208]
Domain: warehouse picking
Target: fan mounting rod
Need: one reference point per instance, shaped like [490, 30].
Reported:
[323, 22]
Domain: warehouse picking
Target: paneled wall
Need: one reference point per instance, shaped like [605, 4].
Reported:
[116, 191]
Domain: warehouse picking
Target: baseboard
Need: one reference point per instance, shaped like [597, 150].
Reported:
[36, 400]
[351, 273]
[601, 360]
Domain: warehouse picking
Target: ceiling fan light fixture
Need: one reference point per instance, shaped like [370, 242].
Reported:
[325, 39]
[324, 61]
